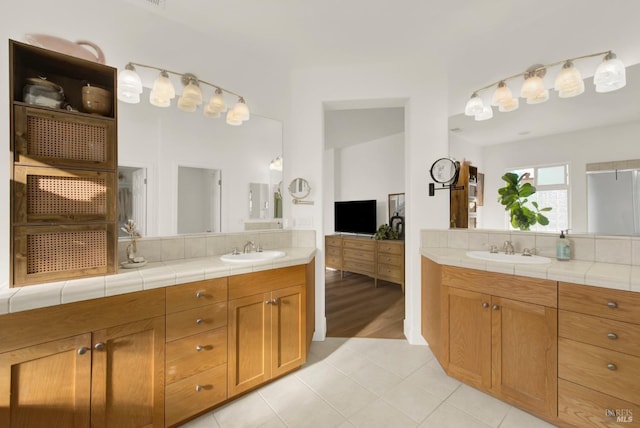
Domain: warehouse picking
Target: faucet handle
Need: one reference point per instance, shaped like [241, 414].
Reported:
[259, 248]
[235, 251]
[493, 249]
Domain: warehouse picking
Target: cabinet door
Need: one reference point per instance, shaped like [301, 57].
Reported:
[468, 330]
[128, 375]
[287, 329]
[525, 354]
[249, 342]
[46, 385]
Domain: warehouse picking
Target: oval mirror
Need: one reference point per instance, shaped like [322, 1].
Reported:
[299, 188]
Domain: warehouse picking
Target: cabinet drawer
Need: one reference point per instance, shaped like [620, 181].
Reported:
[45, 138]
[362, 255]
[391, 248]
[587, 365]
[616, 335]
[603, 302]
[359, 267]
[359, 244]
[194, 394]
[196, 294]
[249, 284]
[333, 262]
[62, 196]
[581, 407]
[193, 321]
[334, 241]
[390, 273]
[190, 355]
[390, 259]
[334, 251]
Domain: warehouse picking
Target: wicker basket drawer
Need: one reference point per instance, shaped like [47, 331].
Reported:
[615, 335]
[49, 253]
[62, 196]
[45, 137]
[196, 294]
[190, 355]
[193, 321]
[610, 372]
[194, 394]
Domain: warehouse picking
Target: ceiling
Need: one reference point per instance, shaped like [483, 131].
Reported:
[477, 42]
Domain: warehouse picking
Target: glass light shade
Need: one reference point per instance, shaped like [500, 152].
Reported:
[539, 98]
[217, 101]
[474, 105]
[509, 105]
[501, 94]
[159, 99]
[192, 94]
[233, 119]
[129, 85]
[531, 87]
[569, 82]
[487, 113]
[241, 110]
[186, 104]
[210, 111]
[610, 75]
[163, 87]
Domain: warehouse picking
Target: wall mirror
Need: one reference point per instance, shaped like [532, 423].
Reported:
[259, 201]
[580, 130]
[167, 141]
[199, 198]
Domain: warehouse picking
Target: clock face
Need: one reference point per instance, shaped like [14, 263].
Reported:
[444, 171]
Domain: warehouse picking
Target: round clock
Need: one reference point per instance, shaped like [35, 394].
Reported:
[445, 171]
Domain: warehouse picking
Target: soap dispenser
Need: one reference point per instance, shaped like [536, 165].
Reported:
[563, 246]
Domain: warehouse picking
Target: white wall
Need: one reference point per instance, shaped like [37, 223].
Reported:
[421, 87]
[618, 142]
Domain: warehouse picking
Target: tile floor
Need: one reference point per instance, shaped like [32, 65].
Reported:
[367, 383]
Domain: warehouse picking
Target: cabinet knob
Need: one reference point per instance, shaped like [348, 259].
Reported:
[83, 350]
[200, 294]
[199, 321]
[612, 367]
[485, 305]
[199, 348]
[612, 305]
[612, 336]
[198, 388]
[495, 307]
[99, 346]
[268, 302]
[275, 301]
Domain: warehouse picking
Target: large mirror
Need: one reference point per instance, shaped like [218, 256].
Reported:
[575, 131]
[174, 147]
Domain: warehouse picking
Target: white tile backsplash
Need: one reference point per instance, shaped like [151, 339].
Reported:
[458, 238]
[173, 248]
[195, 246]
[613, 249]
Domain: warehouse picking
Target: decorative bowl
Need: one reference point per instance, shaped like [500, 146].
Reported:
[96, 100]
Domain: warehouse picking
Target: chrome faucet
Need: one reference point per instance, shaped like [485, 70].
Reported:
[508, 248]
[248, 246]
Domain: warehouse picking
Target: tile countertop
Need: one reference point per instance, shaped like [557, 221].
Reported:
[607, 275]
[153, 275]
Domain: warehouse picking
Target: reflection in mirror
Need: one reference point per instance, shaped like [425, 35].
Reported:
[277, 200]
[258, 201]
[299, 188]
[132, 198]
[199, 193]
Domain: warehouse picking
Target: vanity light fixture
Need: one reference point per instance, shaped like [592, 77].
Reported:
[609, 76]
[163, 91]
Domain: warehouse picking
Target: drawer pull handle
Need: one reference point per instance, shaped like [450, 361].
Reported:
[83, 350]
[485, 305]
[612, 336]
[199, 348]
[198, 388]
[199, 321]
[99, 346]
[612, 305]
[200, 294]
[612, 367]
[495, 307]
[272, 302]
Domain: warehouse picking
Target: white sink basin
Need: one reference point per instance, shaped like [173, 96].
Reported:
[508, 258]
[252, 257]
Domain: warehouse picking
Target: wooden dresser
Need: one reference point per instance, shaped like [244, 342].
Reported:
[377, 259]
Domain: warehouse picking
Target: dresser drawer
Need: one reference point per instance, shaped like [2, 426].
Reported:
[333, 262]
[390, 273]
[192, 321]
[359, 267]
[194, 394]
[353, 254]
[335, 241]
[616, 335]
[582, 407]
[190, 355]
[603, 302]
[360, 244]
[334, 251]
[588, 365]
[391, 248]
[390, 259]
[196, 294]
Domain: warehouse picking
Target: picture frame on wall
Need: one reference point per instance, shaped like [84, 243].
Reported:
[396, 204]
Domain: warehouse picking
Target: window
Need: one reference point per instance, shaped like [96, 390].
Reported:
[552, 190]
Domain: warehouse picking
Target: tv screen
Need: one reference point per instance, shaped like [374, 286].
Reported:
[356, 217]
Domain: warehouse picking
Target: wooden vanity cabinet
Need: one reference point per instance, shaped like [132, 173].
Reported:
[499, 334]
[98, 363]
[267, 326]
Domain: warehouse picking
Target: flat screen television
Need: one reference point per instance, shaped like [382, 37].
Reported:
[356, 217]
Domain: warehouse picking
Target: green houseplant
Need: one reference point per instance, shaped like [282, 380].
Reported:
[514, 197]
[385, 232]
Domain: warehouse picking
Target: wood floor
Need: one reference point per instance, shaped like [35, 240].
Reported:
[355, 308]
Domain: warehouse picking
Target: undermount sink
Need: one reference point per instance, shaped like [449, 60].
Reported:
[508, 258]
[257, 256]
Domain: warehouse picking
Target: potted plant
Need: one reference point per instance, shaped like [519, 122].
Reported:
[514, 197]
[385, 232]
